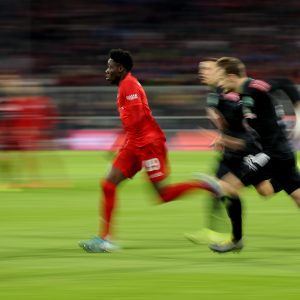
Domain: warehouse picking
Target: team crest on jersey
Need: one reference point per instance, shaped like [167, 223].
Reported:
[231, 96]
[132, 97]
[260, 85]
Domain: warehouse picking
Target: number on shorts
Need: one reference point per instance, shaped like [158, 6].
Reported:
[152, 164]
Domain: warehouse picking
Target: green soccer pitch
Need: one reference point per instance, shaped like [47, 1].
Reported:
[40, 229]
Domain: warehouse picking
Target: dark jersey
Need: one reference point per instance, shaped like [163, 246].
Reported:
[258, 102]
[231, 108]
[285, 85]
[281, 87]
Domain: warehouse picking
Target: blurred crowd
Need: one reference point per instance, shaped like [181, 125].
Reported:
[66, 42]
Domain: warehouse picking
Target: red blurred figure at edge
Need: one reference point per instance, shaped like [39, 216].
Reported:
[27, 125]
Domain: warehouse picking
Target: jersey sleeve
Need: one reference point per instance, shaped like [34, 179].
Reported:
[288, 87]
[212, 100]
[248, 104]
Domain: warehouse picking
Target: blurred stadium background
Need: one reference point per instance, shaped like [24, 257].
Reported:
[62, 47]
[65, 42]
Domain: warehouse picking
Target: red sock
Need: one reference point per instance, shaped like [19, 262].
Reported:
[108, 204]
[172, 192]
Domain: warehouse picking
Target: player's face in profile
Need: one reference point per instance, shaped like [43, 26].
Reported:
[113, 71]
[206, 72]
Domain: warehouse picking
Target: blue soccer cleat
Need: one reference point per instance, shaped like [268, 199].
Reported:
[98, 245]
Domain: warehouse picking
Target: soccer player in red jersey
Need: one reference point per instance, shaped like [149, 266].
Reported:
[144, 147]
[34, 118]
[30, 120]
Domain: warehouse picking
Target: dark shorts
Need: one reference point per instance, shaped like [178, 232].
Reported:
[282, 172]
[233, 161]
[230, 165]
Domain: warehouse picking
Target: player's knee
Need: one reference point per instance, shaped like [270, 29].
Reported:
[164, 196]
[296, 196]
[265, 193]
[107, 186]
[265, 189]
[162, 191]
[297, 201]
[229, 189]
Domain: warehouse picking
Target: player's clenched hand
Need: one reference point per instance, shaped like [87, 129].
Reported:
[217, 144]
[231, 142]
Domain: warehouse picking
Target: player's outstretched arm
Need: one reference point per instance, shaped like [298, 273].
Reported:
[292, 92]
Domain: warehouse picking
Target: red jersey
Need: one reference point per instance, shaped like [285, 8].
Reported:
[135, 113]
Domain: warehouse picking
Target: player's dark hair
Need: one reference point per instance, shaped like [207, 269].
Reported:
[122, 57]
[232, 65]
[208, 58]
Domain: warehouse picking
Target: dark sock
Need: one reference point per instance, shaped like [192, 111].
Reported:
[234, 210]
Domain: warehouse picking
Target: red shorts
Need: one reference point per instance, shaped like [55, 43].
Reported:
[153, 157]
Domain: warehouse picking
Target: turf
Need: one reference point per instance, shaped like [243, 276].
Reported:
[40, 228]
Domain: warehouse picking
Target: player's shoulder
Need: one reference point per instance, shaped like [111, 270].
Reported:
[257, 85]
[129, 82]
[130, 79]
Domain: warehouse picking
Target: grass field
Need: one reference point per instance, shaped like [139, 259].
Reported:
[40, 228]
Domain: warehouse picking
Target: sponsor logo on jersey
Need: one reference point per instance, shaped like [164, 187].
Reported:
[132, 97]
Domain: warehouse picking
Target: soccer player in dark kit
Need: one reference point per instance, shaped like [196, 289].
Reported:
[239, 142]
[232, 151]
[144, 147]
[276, 161]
